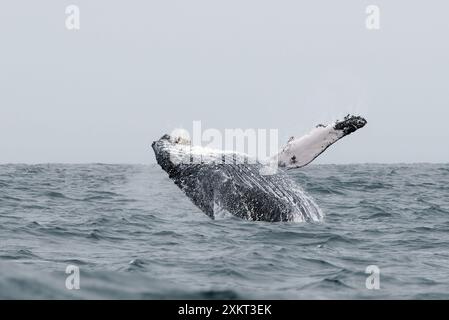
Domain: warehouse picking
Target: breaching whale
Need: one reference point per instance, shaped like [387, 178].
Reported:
[226, 181]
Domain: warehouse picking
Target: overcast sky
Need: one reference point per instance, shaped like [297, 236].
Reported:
[138, 69]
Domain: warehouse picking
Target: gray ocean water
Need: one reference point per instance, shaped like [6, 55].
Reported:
[133, 234]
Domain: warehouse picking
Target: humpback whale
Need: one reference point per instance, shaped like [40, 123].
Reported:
[224, 181]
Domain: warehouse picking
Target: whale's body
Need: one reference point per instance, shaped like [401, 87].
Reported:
[224, 181]
[239, 189]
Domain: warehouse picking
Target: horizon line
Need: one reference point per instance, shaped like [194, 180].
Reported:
[155, 163]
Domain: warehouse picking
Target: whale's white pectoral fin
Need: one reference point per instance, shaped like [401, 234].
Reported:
[301, 151]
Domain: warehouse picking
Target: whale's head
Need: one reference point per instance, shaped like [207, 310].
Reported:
[161, 150]
[170, 151]
[350, 124]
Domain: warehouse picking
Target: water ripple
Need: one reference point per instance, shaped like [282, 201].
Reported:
[135, 235]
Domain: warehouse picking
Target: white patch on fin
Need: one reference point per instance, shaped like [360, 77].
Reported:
[301, 151]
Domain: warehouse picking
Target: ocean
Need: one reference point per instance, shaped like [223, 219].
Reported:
[132, 234]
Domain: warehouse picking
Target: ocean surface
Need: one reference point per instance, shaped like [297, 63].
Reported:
[133, 234]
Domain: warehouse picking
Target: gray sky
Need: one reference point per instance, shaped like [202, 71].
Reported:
[138, 69]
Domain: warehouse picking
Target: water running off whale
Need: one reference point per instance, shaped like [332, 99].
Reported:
[224, 180]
